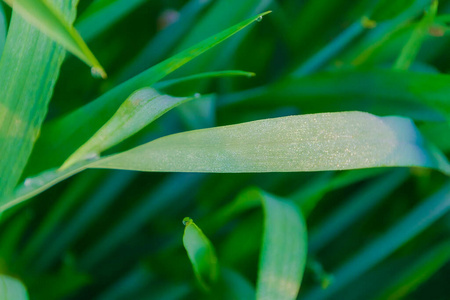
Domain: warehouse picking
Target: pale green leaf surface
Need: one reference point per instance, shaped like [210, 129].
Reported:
[201, 254]
[316, 142]
[140, 109]
[284, 248]
[62, 137]
[11, 288]
[27, 77]
[49, 20]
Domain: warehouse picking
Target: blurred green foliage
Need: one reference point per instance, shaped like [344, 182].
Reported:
[108, 234]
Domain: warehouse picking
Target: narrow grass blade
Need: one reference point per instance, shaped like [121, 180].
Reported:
[103, 13]
[420, 218]
[355, 208]
[317, 142]
[167, 83]
[11, 288]
[410, 50]
[415, 95]
[27, 77]
[62, 137]
[418, 272]
[283, 253]
[201, 254]
[140, 109]
[165, 40]
[49, 20]
[333, 48]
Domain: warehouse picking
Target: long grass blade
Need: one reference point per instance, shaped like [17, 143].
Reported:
[416, 95]
[49, 20]
[317, 142]
[73, 130]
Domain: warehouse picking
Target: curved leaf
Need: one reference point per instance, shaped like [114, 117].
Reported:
[201, 254]
[140, 109]
[317, 142]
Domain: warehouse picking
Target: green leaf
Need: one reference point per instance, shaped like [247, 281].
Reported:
[140, 109]
[384, 92]
[201, 254]
[317, 142]
[11, 288]
[29, 73]
[410, 50]
[62, 137]
[48, 19]
[283, 253]
[167, 83]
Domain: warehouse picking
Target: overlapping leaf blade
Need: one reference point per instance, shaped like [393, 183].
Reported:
[49, 20]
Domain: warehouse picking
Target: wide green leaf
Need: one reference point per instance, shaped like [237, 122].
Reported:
[11, 288]
[316, 142]
[140, 109]
[27, 77]
[201, 254]
[62, 137]
[52, 22]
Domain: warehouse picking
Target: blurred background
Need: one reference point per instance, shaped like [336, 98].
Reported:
[373, 234]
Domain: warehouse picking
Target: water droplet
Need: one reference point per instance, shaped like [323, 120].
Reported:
[259, 19]
[28, 182]
[197, 95]
[186, 221]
